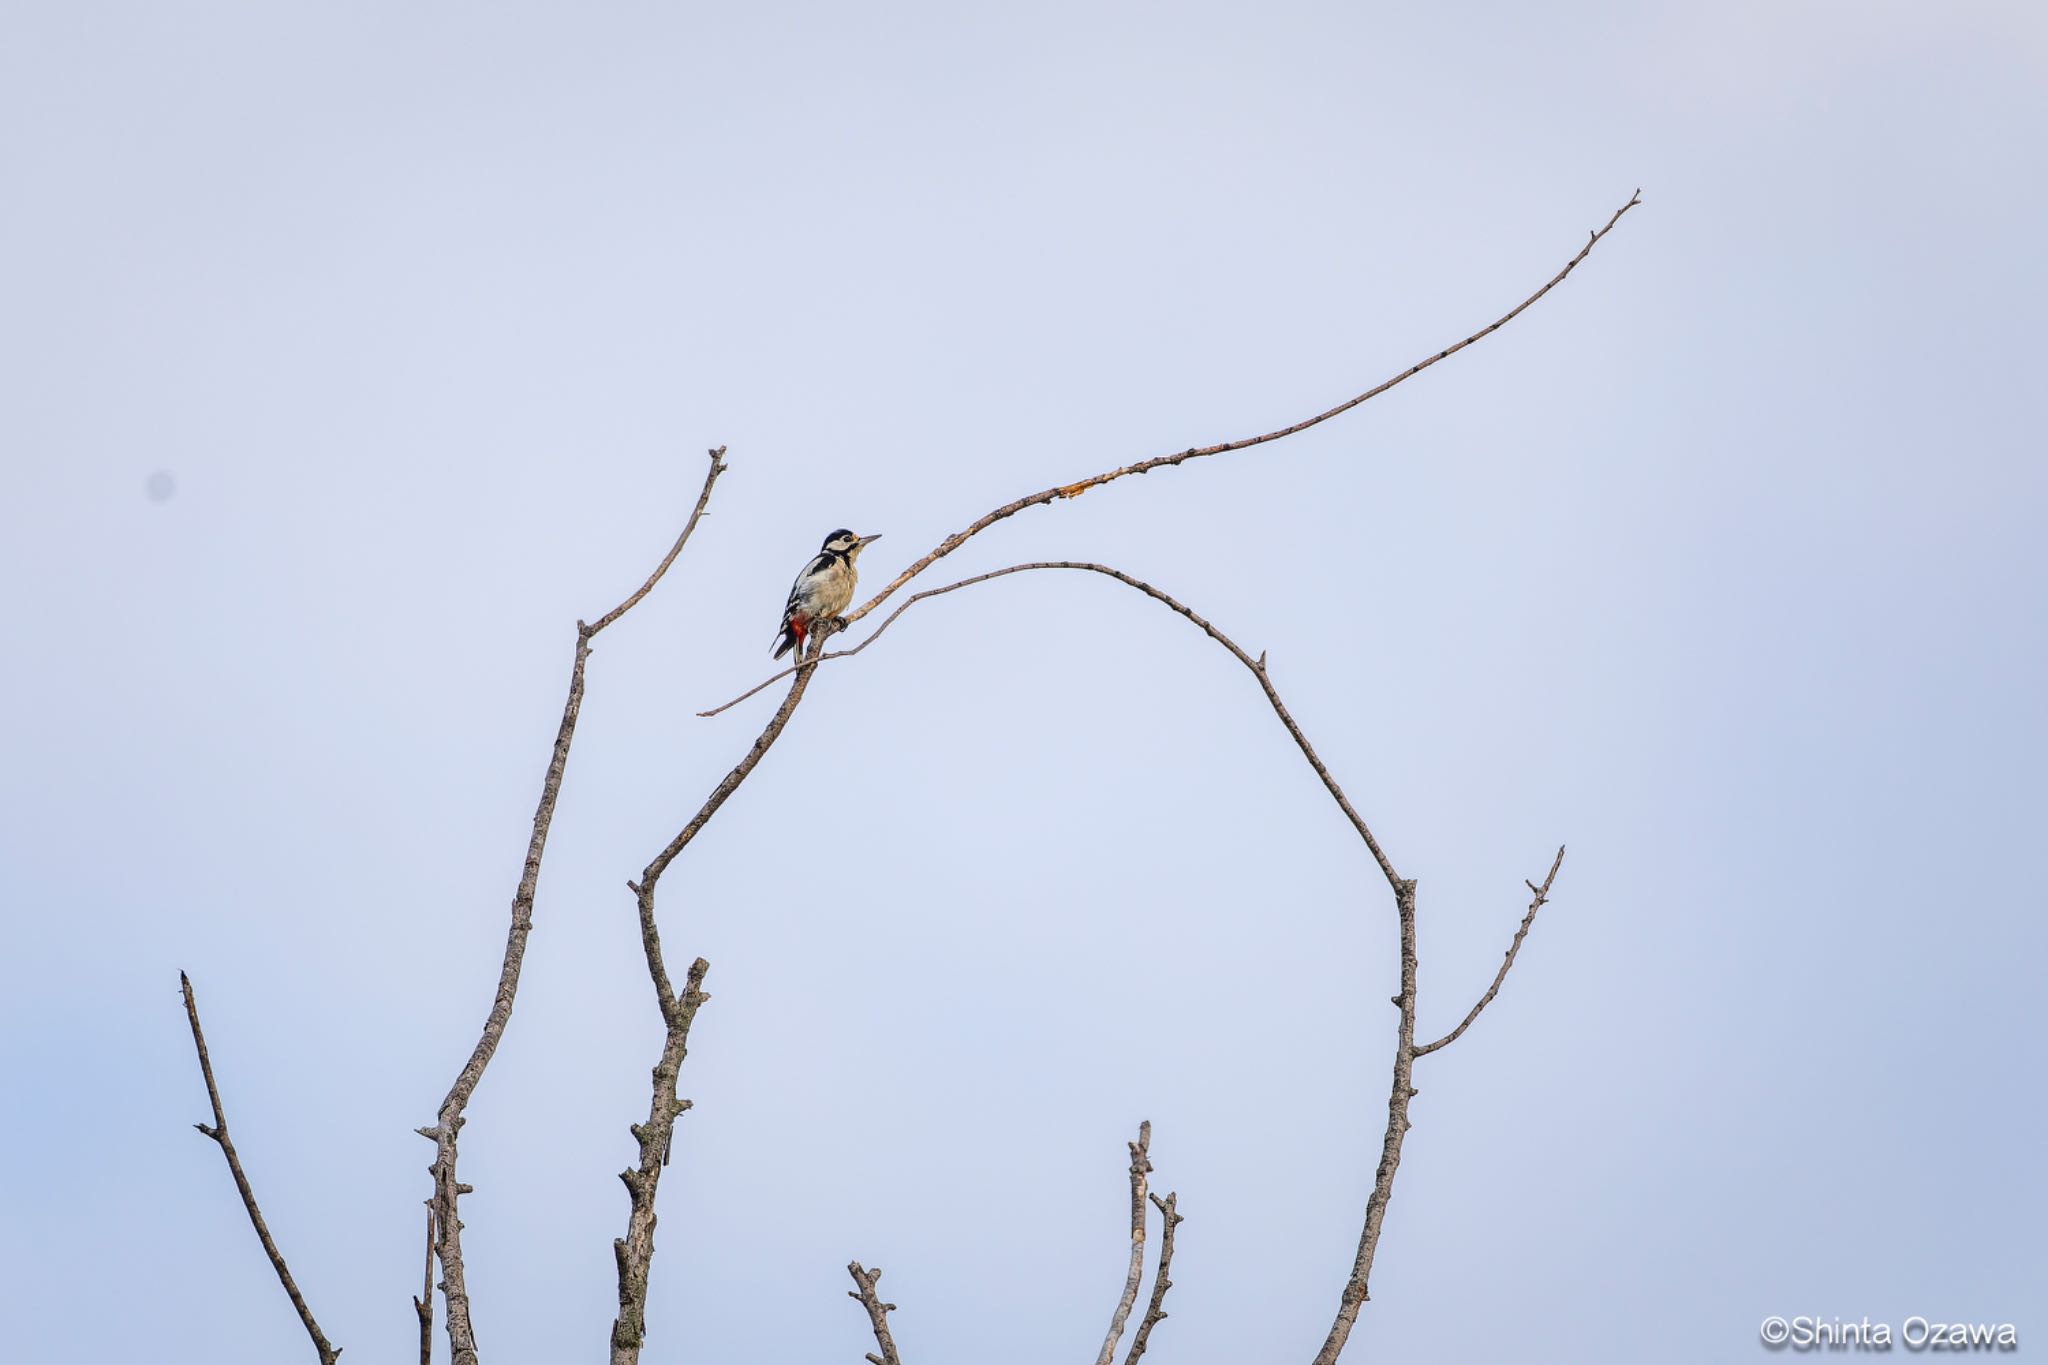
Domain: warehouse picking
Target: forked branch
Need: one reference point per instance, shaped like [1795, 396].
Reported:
[218, 1131]
[1141, 1166]
[1155, 1312]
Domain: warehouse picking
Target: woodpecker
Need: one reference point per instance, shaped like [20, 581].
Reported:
[822, 590]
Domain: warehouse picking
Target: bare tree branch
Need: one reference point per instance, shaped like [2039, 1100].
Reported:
[1141, 1166]
[1155, 1312]
[423, 1306]
[718, 466]
[878, 1312]
[1542, 895]
[1074, 490]
[635, 1251]
[448, 1124]
[1390, 1147]
[218, 1131]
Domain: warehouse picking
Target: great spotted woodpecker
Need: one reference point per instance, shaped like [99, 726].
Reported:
[822, 590]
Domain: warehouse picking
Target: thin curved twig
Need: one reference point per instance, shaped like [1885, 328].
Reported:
[1141, 1166]
[218, 1131]
[718, 467]
[906, 605]
[423, 1306]
[1075, 490]
[449, 1120]
[1257, 667]
[878, 1312]
[1542, 895]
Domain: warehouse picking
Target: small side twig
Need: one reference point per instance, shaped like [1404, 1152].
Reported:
[1542, 895]
[1141, 1166]
[718, 466]
[1155, 1312]
[423, 1306]
[218, 1131]
[878, 1312]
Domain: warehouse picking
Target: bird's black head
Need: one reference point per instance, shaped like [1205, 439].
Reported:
[845, 543]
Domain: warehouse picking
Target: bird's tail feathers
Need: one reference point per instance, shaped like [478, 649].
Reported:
[792, 637]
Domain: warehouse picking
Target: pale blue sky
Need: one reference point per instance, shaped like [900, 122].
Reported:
[1724, 565]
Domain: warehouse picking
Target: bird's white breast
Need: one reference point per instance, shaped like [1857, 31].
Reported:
[827, 592]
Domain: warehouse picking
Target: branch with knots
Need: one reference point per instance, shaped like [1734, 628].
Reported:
[878, 1312]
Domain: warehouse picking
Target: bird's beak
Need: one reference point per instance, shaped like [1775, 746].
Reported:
[866, 541]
